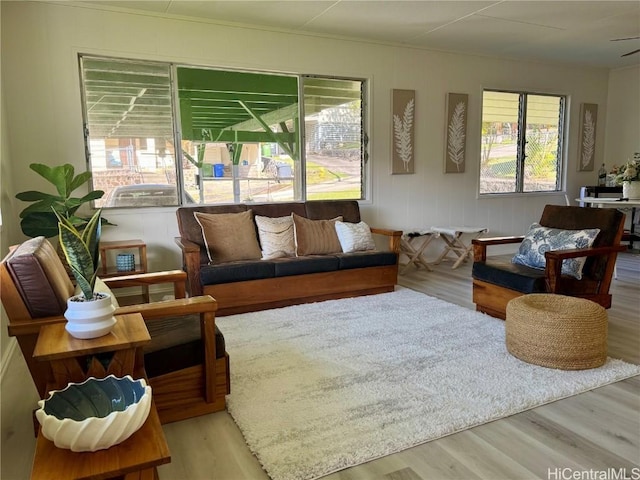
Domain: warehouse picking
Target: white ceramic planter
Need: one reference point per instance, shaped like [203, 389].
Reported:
[89, 319]
[631, 190]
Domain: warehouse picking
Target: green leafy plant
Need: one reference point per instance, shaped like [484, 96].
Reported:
[39, 218]
[82, 250]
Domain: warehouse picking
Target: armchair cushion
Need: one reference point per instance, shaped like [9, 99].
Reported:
[176, 344]
[502, 272]
[40, 277]
[539, 240]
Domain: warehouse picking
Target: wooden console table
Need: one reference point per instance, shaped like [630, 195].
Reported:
[139, 455]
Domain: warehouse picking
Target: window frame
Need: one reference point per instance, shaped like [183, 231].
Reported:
[521, 143]
[364, 169]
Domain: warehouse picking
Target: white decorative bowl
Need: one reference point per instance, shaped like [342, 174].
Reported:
[95, 414]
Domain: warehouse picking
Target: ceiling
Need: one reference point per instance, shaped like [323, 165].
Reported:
[570, 32]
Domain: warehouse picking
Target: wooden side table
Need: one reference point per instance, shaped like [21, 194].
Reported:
[68, 356]
[108, 271]
[139, 455]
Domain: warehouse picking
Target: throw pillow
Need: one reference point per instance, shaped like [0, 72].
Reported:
[315, 237]
[354, 237]
[276, 236]
[539, 240]
[229, 236]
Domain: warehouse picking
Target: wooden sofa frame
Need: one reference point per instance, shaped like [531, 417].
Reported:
[253, 295]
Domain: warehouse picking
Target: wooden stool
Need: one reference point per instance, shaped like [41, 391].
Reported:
[557, 331]
[452, 237]
[414, 250]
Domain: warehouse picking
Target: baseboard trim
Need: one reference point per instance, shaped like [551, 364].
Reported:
[7, 356]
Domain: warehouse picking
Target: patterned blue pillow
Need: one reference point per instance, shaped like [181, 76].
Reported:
[539, 240]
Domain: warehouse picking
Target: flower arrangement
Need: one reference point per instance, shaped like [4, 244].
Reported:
[629, 172]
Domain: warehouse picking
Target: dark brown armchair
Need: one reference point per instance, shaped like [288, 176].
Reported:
[496, 280]
[185, 362]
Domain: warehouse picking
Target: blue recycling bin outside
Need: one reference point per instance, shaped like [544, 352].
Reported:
[218, 169]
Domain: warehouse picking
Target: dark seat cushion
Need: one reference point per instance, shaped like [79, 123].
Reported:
[366, 259]
[176, 344]
[236, 272]
[510, 275]
[308, 264]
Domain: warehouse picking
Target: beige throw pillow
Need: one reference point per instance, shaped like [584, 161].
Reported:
[276, 237]
[355, 237]
[229, 236]
[315, 237]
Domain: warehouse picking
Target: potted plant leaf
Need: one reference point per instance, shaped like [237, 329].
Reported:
[90, 313]
[38, 218]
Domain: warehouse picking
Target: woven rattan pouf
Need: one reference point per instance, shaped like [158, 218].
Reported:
[556, 331]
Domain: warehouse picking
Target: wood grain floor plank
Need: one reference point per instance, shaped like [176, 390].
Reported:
[595, 430]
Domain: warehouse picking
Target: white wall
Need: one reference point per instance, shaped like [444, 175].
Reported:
[43, 108]
[6, 204]
[623, 109]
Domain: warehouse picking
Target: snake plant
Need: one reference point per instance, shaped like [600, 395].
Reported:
[81, 249]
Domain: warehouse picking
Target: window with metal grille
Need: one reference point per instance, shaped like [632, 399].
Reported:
[238, 134]
[521, 150]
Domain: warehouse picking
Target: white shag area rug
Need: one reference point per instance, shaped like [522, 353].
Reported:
[321, 387]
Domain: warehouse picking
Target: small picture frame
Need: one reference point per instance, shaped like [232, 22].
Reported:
[403, 104]
[587, 145]
[457, 106]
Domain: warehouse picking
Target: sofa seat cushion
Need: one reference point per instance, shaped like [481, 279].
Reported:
[366, 259]
[236, 271]
[510, 275]
[176, 344]
[303, 265]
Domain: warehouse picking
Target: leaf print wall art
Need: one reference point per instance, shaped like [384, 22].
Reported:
[456, 133]
[587, 145]
[403, 104]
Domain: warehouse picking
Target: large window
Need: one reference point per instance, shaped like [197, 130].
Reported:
[521, 149]
[239, 134]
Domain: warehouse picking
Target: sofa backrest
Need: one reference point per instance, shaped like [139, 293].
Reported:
[315, 210]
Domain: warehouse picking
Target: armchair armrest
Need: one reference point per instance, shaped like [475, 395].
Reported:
[182, 306]
[394, 237]
[480, 245]
[191, 263]
[554, 258]
[206, 307]
[149, 311]
[177, 277]
[32, 326]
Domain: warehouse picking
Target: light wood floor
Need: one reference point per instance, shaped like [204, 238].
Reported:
[597, 430]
